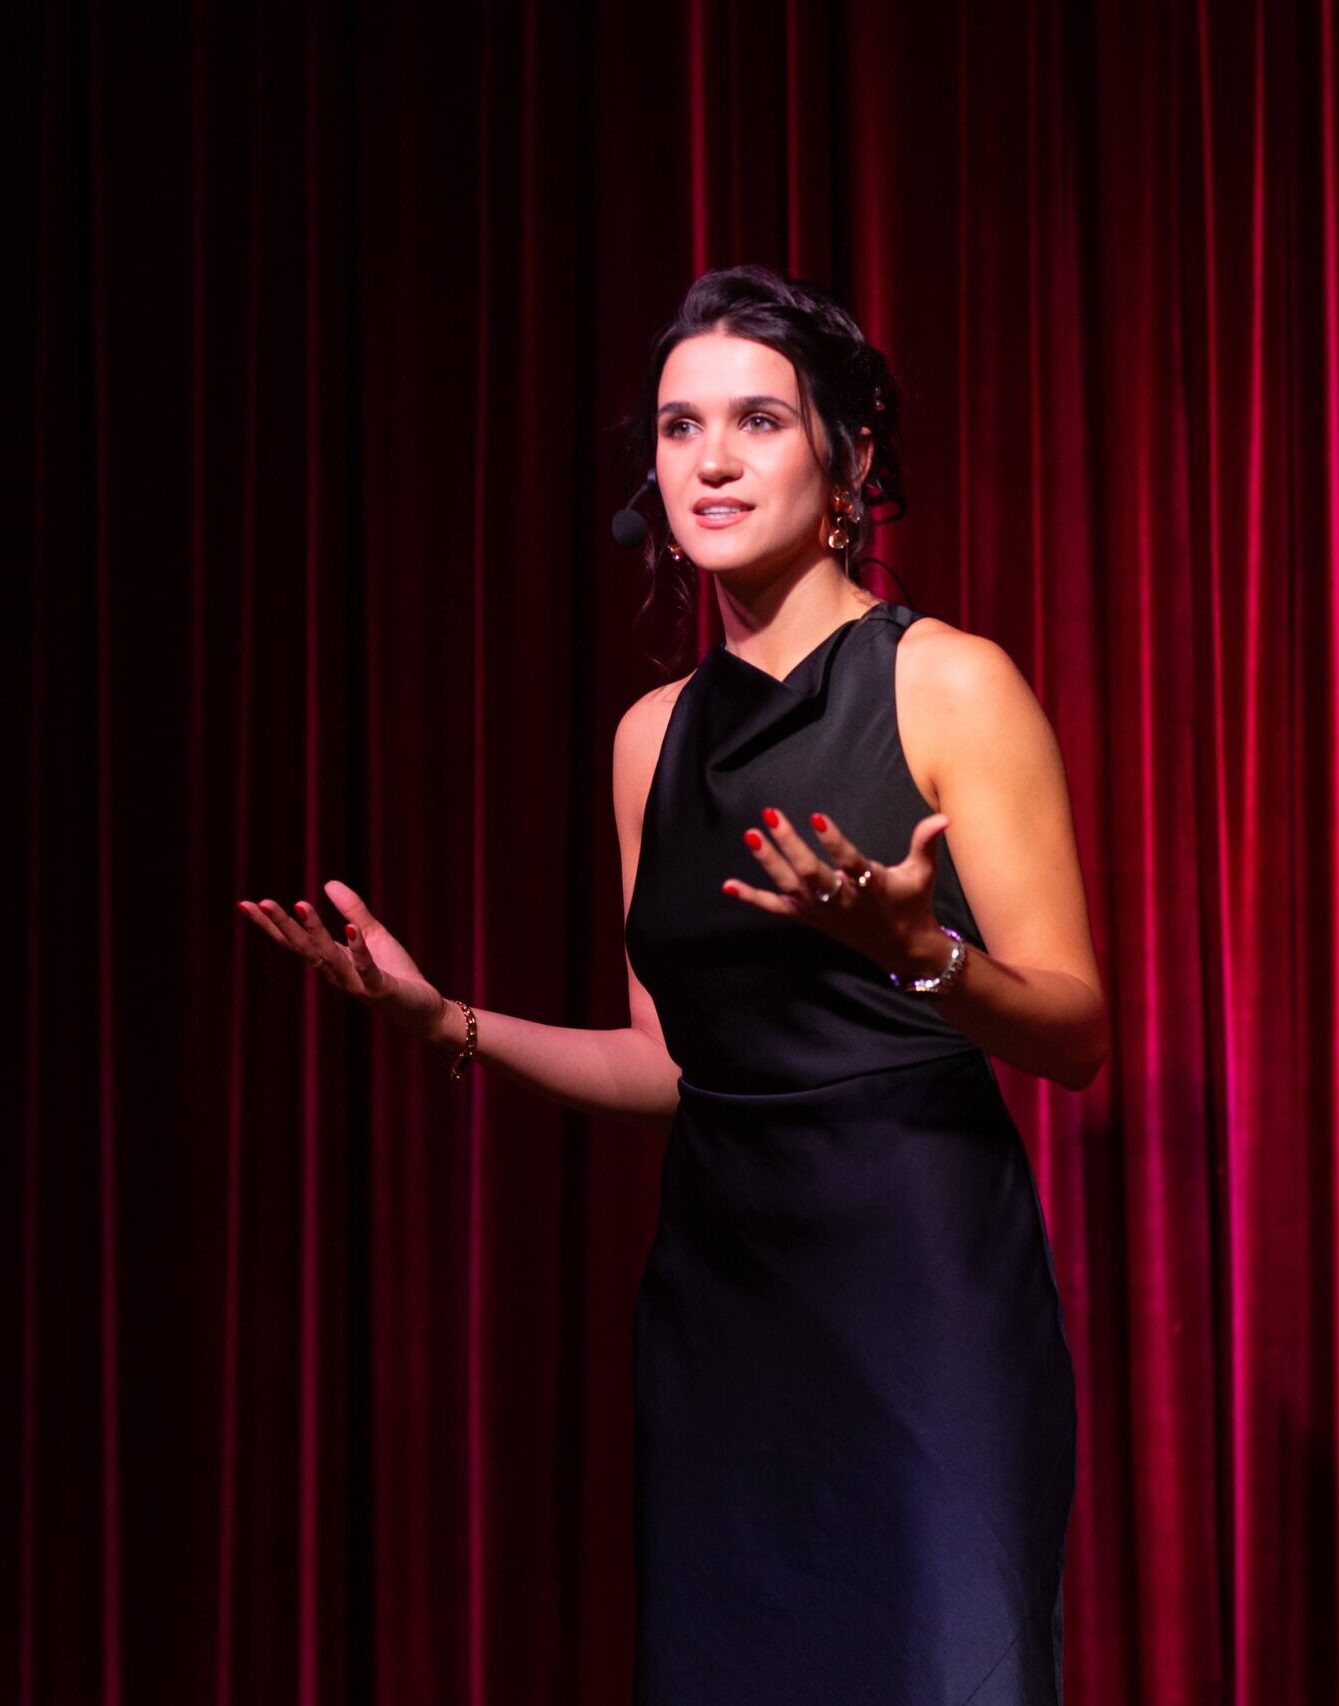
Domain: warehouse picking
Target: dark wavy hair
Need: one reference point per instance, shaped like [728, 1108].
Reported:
[841, 376]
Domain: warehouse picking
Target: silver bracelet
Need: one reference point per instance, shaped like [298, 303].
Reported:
[945, 980]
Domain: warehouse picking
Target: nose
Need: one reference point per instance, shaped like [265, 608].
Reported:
[717, 460]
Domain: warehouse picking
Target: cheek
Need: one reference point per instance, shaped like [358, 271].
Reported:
[806, 488]
[668, 477]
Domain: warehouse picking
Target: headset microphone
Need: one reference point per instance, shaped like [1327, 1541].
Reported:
[630, 529]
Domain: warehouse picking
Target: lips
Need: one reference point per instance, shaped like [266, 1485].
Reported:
[708, 514]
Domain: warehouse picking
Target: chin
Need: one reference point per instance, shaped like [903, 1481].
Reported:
[738, 568]
[724, 553]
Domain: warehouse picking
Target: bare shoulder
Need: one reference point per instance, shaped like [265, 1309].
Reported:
[957, 692]
[644, 722]
[637, 742]
[658, 702]
[941, 659]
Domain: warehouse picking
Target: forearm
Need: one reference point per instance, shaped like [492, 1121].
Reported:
[622, 1072]
[1047, 1022]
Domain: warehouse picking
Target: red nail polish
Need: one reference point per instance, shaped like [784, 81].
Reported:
[299, 909]
[819, 822]
[350, 932]
[769, 817]
[753, 838]
[729, 888]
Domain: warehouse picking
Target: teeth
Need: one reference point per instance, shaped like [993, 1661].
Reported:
[723, 509]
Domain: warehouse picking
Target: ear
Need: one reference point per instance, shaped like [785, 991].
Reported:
[864, 456]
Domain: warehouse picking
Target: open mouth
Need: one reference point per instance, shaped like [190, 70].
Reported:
[720, 515]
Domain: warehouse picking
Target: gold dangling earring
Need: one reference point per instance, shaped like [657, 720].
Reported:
[843, 517]
[675, 550]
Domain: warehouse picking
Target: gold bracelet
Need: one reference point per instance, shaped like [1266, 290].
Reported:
[466, 1055]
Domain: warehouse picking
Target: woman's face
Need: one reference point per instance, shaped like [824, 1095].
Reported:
[741, 483]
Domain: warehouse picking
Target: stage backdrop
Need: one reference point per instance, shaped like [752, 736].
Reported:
[322, 321]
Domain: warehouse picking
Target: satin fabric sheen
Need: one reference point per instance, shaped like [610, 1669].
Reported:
[855, 1409]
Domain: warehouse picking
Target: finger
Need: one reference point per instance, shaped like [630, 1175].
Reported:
[766, 900]
[821, 882]
[350, 904]
[332, 959]
[291, 933]
[326, 954]
[842, 852]
[803, 874]
[317, 934]
[796, 849]
[253, 912]
[778, 868]
[925, 834]
[370, 973]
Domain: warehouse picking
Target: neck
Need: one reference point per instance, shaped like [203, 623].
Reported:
[769, 623]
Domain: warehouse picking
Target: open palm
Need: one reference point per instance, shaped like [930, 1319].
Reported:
[373, 966]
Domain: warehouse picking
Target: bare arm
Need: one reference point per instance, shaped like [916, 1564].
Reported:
[624, 1072]
[1035, 999]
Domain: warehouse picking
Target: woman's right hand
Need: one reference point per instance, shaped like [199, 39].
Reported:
[373, 967]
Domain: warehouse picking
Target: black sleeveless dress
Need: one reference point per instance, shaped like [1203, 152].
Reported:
[855, 1416]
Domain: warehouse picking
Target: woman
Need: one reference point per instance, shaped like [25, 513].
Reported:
[855, 1404]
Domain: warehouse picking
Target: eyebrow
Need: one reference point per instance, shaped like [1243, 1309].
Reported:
[738, 405]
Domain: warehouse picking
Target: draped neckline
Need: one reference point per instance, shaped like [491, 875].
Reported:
[789, 680]
[743, 711]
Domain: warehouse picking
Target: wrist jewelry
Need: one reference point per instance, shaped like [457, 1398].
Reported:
[941, 984]
[466, 1055]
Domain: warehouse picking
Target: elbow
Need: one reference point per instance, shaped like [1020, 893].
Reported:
[1088, 1059]
[1080, 1074]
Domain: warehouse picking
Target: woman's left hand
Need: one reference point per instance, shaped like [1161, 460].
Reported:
[883, 911]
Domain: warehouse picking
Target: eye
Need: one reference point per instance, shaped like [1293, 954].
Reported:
[670, 429]
[769, 423]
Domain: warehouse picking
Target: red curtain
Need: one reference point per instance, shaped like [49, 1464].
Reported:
[324, 318]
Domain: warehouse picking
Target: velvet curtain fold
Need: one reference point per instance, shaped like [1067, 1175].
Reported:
[324, 320]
